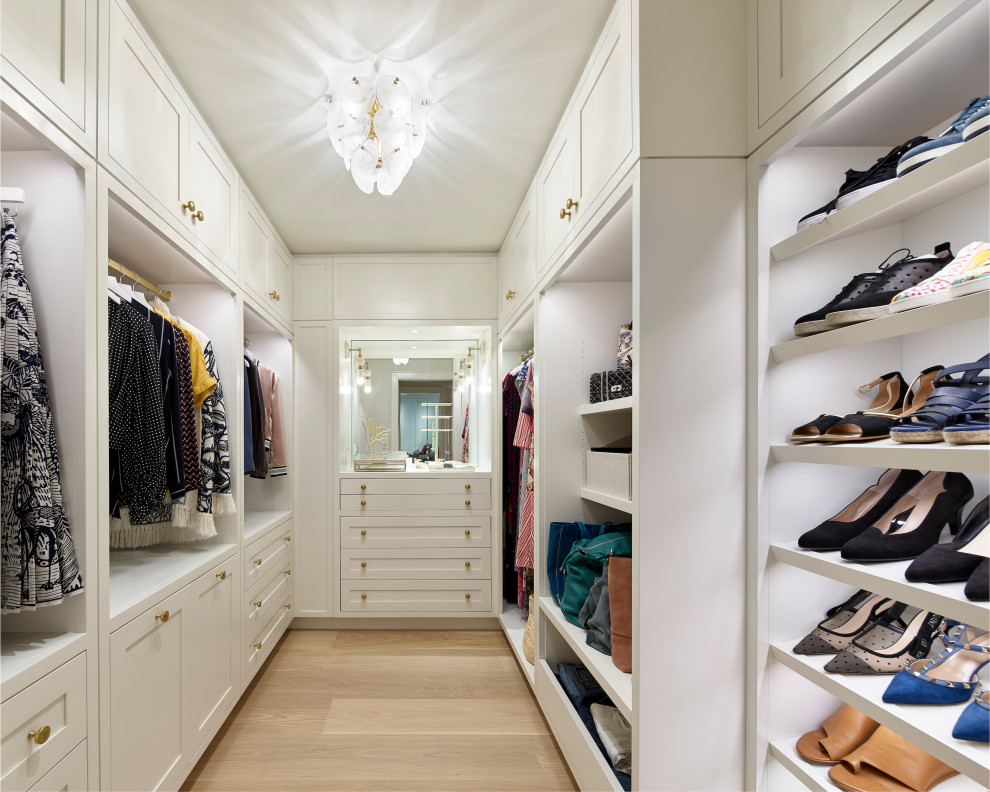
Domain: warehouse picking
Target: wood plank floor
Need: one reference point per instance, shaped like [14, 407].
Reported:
[363, 710]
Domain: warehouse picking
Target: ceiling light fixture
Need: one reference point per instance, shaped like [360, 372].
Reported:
[378, 128]
[400, 361]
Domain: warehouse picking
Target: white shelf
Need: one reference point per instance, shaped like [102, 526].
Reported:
[257, 522]
[620, 504]
[141, 578]
[973, 459]
[22, 652]
[928, 727]
[621, 406]
[616, 683]
[514, 625]
[961, 309]
[945, 599]
[950, 176]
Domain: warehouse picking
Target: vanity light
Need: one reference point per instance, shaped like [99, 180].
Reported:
[469, 376]
[367, 381]
[361, 374]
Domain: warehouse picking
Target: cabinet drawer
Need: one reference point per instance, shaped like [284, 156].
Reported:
[447, 596]
[266, 553]
[261, 600]
[52, 710]
[404, 564]
[69, 775]
[413, 532]
[409, 503]
[409, 486]
[258, 646]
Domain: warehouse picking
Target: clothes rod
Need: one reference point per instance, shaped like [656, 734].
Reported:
[147, 284]
[523, 357]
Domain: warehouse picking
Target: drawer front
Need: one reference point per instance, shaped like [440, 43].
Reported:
[69, 775]
[412, 503]
[260, 602]
[413, 532]
[403, 564]
[258, 646]
[431, 596]
[56, 701]
[412, 486]
[266, 553]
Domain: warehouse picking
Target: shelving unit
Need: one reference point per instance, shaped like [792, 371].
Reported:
[619, 504]
[623, 406]
[889, 454]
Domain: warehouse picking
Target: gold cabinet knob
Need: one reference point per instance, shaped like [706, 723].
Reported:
[258, 562]
[364, 596]
[467, 486]
[564, 214]
[257, 646]
[162, 617]
[571, 204]
[40, 736]
[364, 533]
[199, 216]
[190, 205]
[222, 575]
[364, 564]
[364, 503]
[467, 596]
[288, 538]
[288, 606]
[272, 294]
[467, 503]
[364, 486]
[467, 564]
[257, 604]
[288, 571]
[467, 533]
[510, 294]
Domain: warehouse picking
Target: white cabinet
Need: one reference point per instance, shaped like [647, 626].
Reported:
[280, 282]
[555, 186]
[266, 268]
[312, 289]
[147, 662]
[49, 55]
[517, 261]
[69, 775]
[212, 192]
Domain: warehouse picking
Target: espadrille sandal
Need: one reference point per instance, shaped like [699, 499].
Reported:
[969, 426]
[952, 394]
[890, 393]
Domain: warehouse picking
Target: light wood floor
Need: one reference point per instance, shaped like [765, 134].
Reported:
[386, 711]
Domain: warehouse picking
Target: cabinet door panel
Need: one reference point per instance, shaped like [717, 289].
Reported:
[508, 289]
[146, 664]
[147, 116]
[255, 243]
[524, 246]
[556, 186]
[212, 186]
[280, 282]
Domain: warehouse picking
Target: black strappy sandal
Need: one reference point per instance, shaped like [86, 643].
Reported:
[890, 393]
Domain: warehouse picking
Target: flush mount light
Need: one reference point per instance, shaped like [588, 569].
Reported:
[400, 361]
[378, 129]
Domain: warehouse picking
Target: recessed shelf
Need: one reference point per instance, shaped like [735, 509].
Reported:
[961, 309]
[21, 651]
[257, 522]
[951, 175]
[514, 626]
[973, 459]
[621, 504]
[945, 599]
[140, 578]
[623, 406]
[930, 728]
[616, 683]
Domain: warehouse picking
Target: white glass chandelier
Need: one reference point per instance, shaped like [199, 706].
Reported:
[378, 128]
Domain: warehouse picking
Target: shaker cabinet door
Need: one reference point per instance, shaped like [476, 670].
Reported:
[212, 187]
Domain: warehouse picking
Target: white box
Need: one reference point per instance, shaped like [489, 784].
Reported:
[610, 474]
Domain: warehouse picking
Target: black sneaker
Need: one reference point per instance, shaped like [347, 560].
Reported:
[895, 278]
[814, 322]
[883, 172]
[852, 177]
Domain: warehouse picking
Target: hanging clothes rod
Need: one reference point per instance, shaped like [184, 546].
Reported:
[165, 294]
[522, 358]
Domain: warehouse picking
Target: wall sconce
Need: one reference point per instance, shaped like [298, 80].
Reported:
[367, 379]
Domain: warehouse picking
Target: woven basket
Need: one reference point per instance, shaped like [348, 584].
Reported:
[529, 635]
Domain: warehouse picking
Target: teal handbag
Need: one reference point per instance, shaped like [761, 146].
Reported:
[583, 565]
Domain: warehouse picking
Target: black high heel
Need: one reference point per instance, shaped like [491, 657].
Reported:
[949, 562]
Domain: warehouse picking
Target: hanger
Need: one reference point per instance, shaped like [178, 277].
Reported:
[118, 291]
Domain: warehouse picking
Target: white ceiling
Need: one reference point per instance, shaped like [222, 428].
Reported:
[497, 75]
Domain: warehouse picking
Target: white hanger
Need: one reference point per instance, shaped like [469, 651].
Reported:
[119, 290]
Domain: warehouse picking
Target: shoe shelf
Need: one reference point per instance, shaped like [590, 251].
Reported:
[928, 727]
[514, 627]
[972, 459]
[616, 683]
[621, 406]
[953, 174]
[950, 312]
[946, 599]
[621, 504]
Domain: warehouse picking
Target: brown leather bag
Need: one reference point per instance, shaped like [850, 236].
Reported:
[620, 611]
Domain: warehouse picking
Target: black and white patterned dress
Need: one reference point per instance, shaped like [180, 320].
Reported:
[39, 565]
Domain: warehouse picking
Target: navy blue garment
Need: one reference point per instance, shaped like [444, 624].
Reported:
[248, 434]
[259, 468]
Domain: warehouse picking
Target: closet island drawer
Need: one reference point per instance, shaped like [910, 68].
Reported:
[41, 724]
[262, 599]
[415, 486]
[414, 532]
[440, 563]
[266, 553]
[446, 596]
[259, 645]
[69, 775]
[464, 501]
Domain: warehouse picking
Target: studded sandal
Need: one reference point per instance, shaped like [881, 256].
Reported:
[947, 678]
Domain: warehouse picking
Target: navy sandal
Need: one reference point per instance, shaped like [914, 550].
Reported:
[969, 426]
[951, 396]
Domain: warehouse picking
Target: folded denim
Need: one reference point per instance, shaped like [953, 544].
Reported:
[595, 615]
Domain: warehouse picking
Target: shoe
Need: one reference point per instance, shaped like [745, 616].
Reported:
[841, 733]
[951, 137]
[889, 763]
[817, 215]
[915, 522]
[891, 388]
[969, 426]
[978, 586]
[843, 623]
[876, 424]
[947, 678]
[814, 322]
[888, 644]
[974, 722]
[974, 278]
[937, 288]
[977, 124]
[949, 397]
[883, 172]
[949, 563]
[903, 274]
[859, 515]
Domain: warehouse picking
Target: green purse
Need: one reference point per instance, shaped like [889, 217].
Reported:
[583, 565]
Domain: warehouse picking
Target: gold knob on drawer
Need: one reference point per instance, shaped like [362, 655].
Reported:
[364, 503]
[258, 562]
[564, 214]
[467, 564]
[364, 486]
[467, 486]
[467, 533]
[288, 538]
[257, 646]
[467, 503]
[222, 575]
[258, 603]
[571, 204]
[364, 533]
[288, 606]
[40, 736]
[510, 294]
[162, 617]
[467, 596]
[288, 571]
[364, 564]
[364, 596]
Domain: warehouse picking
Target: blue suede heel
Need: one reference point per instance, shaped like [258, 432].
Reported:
[949, 677]
[974, 722]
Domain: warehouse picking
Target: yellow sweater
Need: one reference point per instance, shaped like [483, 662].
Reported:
[203, 383]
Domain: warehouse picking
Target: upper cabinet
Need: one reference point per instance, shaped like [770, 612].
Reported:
[517, 261]
[49, 56]
[266, 267]
[212, 187]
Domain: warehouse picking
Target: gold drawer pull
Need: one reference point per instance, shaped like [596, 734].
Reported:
[257, 646]
[288, 538]
[190, 205]
[40, 736]
[467, 564]
[510, 294]
[288, 571]
[258, 604]
[364, 503]
[162, 617]
[467, 503]
[258, 561]
[274, 295]
[467, 596]
[364, 486]
[288, 606]
[222, 575]
[571, 204]
[467, 486]
[564, 214]
[364, 533]
[364, 564]
[467, 533]
[364, 596]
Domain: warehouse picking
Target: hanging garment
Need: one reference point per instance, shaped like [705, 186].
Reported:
[510, 485]
[274, 439]
[248, 426]
[39, 564]
[257, 403]
[465, 450]
[524, 440]
[524, 429]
